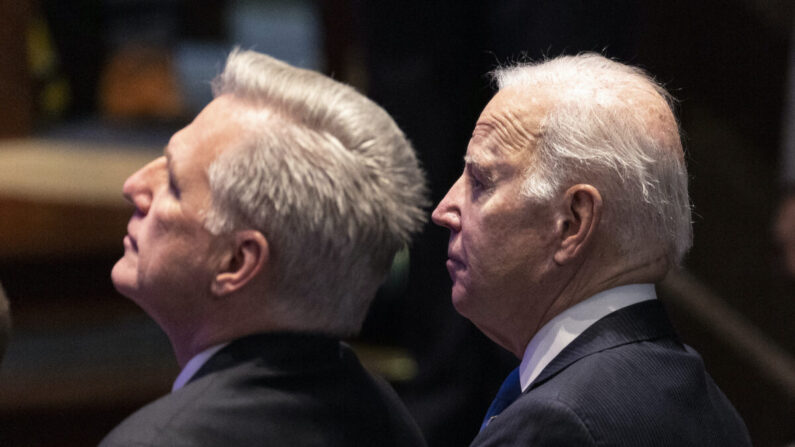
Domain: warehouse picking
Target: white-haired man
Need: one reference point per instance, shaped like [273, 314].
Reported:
[572, 204]
[258, 240]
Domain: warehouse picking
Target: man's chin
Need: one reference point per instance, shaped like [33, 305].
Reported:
[123, 279]
[461, 301]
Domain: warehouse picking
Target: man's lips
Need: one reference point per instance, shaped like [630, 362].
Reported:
[129, 239]
[130, 242]
[454, 263]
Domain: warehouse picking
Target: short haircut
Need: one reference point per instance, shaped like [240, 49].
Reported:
[613, 126]
[331, 182]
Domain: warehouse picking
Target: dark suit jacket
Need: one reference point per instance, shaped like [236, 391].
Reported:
[626, 381]
[275, 389]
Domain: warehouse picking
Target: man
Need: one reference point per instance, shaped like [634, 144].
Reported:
[258, 240]
[572, 203]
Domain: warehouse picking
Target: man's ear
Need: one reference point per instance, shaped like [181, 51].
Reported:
[250, 253]
[581, 212]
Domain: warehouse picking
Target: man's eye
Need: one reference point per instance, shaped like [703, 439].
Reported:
[173, 187]
[476, 184]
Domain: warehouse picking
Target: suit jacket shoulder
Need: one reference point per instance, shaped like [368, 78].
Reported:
[627, 380]
[275, 389]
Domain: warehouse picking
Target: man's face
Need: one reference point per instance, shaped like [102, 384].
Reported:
[169, 257]
[500, 247]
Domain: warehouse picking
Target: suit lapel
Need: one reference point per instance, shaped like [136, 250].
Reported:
[646, 320]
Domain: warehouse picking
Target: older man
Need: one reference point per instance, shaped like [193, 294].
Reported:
[259, 239]
[572, 204]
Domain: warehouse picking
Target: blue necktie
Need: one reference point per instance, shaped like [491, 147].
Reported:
[509, 392]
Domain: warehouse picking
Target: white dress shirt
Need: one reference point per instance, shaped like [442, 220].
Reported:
[194, 364]
[569, 324]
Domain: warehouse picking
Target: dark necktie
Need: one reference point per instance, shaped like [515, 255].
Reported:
[509, 392]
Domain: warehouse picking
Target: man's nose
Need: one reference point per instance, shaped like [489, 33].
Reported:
[448, 213]
[138, 188]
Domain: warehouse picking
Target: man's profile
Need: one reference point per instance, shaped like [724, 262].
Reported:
[258, 240]
[572, 204]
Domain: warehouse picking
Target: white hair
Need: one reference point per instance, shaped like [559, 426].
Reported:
[613, 126]
[331, 182]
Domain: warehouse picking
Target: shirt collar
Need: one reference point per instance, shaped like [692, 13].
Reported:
[194, 364]
[554, 336]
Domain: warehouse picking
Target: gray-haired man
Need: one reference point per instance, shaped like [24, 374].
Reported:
[572, 204]
[259, 239]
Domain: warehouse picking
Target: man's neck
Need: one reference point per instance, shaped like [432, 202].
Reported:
[596, 275]
[226, 325]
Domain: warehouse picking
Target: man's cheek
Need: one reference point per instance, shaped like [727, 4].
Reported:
[169, 220]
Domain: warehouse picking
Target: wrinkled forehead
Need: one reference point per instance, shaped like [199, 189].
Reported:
[510, 124]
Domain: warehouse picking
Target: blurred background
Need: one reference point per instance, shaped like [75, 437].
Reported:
[92, 89]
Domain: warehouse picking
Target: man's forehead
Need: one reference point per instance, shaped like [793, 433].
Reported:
[511, 121]
[222, 124]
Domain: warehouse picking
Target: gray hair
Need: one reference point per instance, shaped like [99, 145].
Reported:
[331, 182]
[613, 126]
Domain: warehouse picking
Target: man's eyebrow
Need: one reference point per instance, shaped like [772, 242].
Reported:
[472, 163]
[169, 165]
[169, 160]
[167, 154]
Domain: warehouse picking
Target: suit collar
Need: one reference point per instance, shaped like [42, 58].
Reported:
[194, 364]
[289, 350]
[565, 327]
[646, 320]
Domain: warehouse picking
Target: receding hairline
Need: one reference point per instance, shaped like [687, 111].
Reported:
[604, 82]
